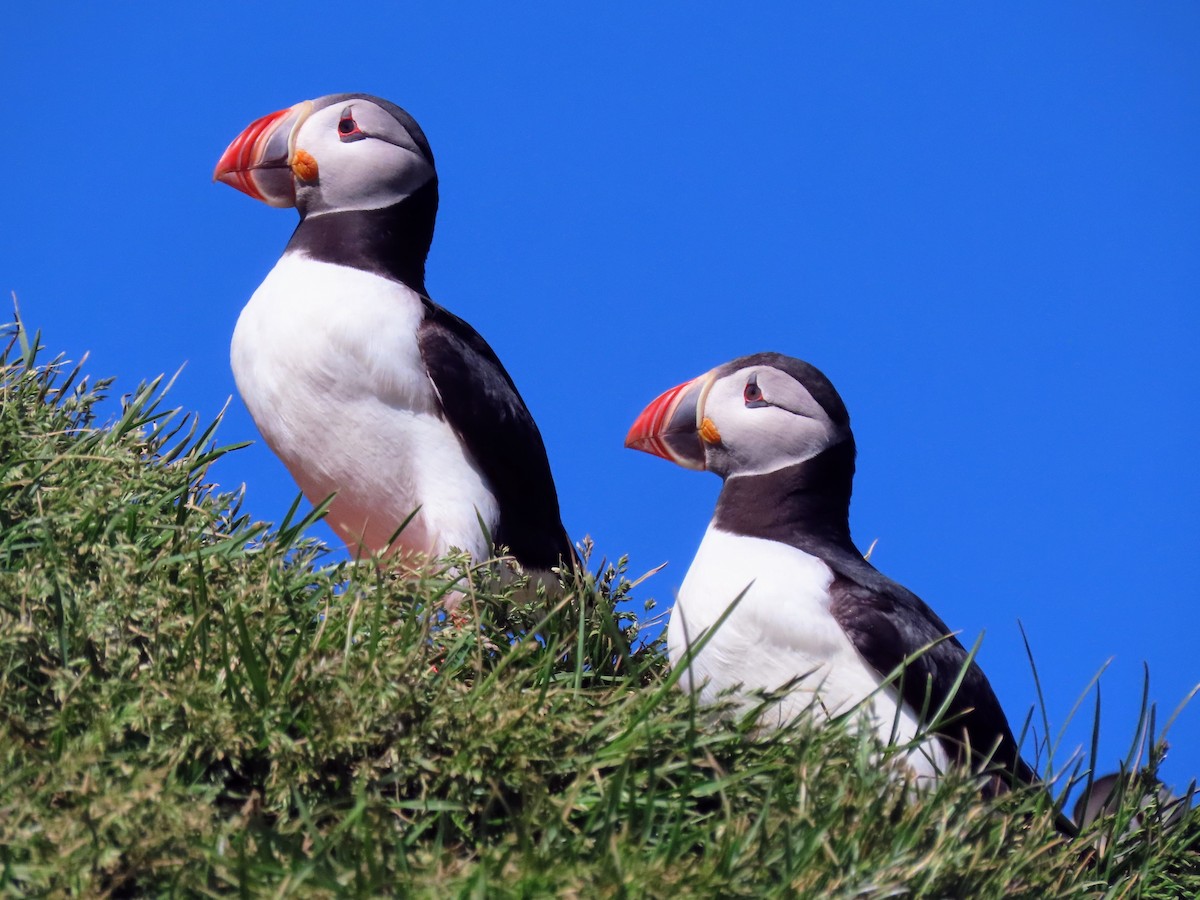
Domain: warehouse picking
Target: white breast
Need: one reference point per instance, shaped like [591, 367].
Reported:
[781, 630]
[326, 360]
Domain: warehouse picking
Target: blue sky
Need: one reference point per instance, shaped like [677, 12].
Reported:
[980, 221]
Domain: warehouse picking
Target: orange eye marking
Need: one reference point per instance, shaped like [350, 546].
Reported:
[708, 431]
[304, 165]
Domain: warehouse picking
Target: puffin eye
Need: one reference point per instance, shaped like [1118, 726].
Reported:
[348, 129]
[753, 394]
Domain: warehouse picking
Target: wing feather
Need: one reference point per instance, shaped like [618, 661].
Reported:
[485, 409]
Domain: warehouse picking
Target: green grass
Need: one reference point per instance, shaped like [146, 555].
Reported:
[194, 703]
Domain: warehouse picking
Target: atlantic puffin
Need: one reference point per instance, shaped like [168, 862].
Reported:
[366, 388]
[812, 616]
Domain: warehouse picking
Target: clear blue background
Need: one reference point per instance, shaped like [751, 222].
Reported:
[981, 221]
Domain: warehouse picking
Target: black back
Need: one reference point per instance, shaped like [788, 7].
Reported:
[478, 397]
[485, 410]
[807, 506]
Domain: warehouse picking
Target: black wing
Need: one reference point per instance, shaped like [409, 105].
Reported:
[483, 407]
[887, 623]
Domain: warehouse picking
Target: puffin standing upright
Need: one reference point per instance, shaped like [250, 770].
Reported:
[810, 606]
[358, 381]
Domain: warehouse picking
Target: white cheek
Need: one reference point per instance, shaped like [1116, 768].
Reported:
[367, 174]
[764, 440]
[766, 448]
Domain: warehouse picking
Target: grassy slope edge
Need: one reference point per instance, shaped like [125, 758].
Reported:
[192, 703]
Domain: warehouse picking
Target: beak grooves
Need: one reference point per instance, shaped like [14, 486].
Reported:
[258, 161]
[668, 426]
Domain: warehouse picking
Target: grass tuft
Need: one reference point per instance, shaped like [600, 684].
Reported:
[193, 702]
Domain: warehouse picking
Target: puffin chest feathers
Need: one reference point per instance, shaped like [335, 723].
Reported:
[781, 629]
[327, 360]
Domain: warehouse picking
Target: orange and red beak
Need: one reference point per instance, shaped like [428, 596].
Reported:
[259, 162]
[673, 426]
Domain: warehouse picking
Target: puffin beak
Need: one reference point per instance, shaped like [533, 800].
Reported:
[673, 427]
[259, 162]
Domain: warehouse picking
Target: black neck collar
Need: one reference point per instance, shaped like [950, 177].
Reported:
[806, 505]
[392, 242]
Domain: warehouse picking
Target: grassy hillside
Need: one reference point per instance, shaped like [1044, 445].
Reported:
[192, 702]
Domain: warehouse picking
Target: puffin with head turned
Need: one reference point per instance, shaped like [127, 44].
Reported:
[812, 615]
[363, 386]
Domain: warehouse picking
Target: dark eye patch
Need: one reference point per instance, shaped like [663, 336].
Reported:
[752, 393]
[348, 129]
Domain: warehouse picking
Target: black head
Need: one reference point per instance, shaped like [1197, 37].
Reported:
[754, 415]
[339, 153]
